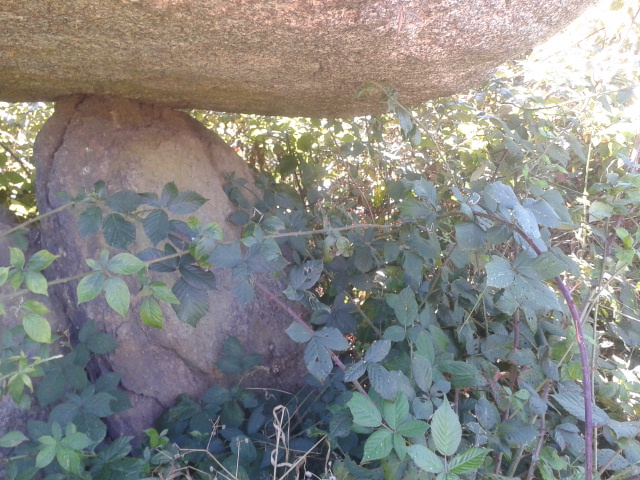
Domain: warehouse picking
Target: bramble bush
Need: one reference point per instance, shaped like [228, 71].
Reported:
[470, 269]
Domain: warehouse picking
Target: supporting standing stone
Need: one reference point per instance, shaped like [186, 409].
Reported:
[141, 147]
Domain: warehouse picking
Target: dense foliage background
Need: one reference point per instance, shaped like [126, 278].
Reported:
[470, 267]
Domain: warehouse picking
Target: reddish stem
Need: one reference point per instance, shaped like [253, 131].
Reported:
[582, 347]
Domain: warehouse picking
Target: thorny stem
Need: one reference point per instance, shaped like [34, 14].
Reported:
[543, 432]
[36, 219]
[582, 347]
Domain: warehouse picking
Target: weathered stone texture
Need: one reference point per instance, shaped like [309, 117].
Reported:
[141, 147]
[293, 57]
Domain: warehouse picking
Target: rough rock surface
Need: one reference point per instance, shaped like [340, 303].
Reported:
[293, 57]
[141, 147]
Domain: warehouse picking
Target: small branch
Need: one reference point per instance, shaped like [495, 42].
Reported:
[36, 219]
[15, 156]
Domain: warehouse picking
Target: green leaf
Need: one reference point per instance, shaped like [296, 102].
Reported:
[378, 445]
[194, 303]
[12, 439]
[400, 446]
[40, 260]
[169, 194]
[502, 194]
[305, 276]
[197, 277]
[185, 202]
[422, 372]
[331, 338]
[37, 328]
[16, 257]
[470, 237]
[404, 306]
[117, 295]
[317, 359]
[573, 403]
[468, 461]
[69, 460]
[125, 264]
[35, 282]
[364, 411]
[299, 333]
[90, 286]
[377, 351]
[412, 428]
[487, 414]
[150, 313]
[599, 210]
[34, 306]
[395, 413]
[544, 213]
[363, 258]
[101, 343]
[46, 456]
[425, 459]
[75, 441]
[90, 221]
[445, 429]
[382, 381]
[527, 221]
[124, 201]
[118, 232]
[156, 226]
[163, 293]
[499, 272]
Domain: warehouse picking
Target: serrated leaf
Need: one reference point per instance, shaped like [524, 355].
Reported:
[412, 428]
[377, 351]
[69, 460]
[382, 381]
[163, 293]
[37, 328]
[156, 226]
[299, 333]
[404, 306]
[487, 414]
[118, 232]
[331, 338]
[125, 264]
[185, 202]
[425, 459]
[35, 282]
[101, 343]
[422, 372]
[194, 303]
[40, 260]
[394, 333]
[470, 237]
[363, 259]
[12, 439]
[90, 286]
[396, 412]
[150, 313]
[117, 295]
[502, 194]
[4, 274]
[16, 257]
[545, 214]
[364, 411]
[573, 403]
[378, 445]
[317, 359]
[197, 277]
[499, 272]
[90, 221]
[305, 276]
[445, 429]
[45, 456]
[124, 201]
[355, 371]
[34, 306]
[527, 221]
[468, 461]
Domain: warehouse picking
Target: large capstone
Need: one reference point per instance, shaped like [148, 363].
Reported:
[140, 147]
[282, 57]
